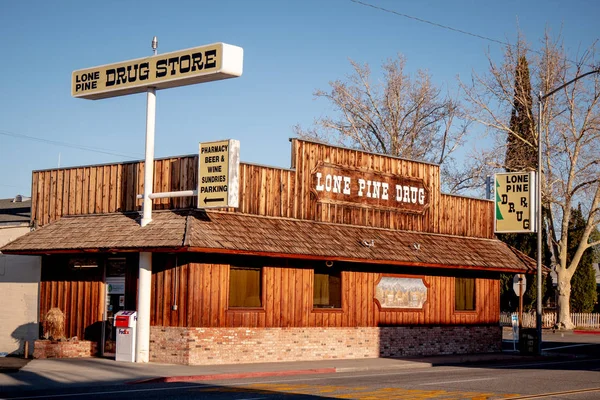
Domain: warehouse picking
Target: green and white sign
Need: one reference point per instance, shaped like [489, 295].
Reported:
[515, 202]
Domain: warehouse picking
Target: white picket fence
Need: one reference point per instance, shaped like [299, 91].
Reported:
[581, 320]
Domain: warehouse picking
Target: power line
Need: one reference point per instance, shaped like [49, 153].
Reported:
[425, 21]
[431, 23]
[71, 145]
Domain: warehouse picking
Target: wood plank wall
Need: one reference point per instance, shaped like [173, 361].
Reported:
[100, 189]
[263, 191]
[201, 294]
[78, 294]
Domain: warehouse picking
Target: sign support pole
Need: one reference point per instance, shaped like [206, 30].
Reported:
[520, 302]
[538, 319]
[142, 353]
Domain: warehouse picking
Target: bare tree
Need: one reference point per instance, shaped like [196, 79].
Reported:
[402, 116]
[570, 143]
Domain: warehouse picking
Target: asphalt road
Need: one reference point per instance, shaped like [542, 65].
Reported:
[572, 373]
[580, 376]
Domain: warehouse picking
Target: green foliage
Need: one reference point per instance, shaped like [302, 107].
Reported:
[527, 244]
[583, 282]
[530, 298]
[521, 155]
[508, 300]
[521, 149]
[583, 289]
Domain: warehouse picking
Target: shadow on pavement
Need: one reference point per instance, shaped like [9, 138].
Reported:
[12, 364]
[34, 385]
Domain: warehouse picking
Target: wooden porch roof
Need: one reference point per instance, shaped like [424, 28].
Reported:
[237, 233]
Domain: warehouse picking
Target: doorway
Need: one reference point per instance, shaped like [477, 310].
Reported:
[115, 290]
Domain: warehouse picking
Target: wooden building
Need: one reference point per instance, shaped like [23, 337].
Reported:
[345, 255]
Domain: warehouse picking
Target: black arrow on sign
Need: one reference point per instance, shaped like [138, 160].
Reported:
[207, 200]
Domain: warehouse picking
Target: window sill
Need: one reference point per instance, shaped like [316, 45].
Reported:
[327, 310]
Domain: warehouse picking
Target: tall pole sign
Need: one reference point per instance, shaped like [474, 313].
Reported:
[185, 67]
[219, 171]
[515, 202]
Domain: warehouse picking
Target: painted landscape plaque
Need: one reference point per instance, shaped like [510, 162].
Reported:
[396, 292]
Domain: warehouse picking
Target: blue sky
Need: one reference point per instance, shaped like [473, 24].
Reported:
[290, 48]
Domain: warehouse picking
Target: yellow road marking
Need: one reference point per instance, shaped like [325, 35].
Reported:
[358, 392]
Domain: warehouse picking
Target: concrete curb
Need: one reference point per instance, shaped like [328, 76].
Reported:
[411, 365]
[241, 375]
[586, 332]
[464, 359]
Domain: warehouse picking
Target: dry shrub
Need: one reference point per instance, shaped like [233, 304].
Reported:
[54, 324]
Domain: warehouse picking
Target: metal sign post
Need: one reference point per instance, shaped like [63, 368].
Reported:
[519, 282]
[185, 67]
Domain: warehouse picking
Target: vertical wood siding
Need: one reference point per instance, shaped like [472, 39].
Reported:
[263, 191]
[78, 294]
[201, 292]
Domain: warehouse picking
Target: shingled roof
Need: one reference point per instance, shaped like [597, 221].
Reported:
[15, 211]
[236, 233]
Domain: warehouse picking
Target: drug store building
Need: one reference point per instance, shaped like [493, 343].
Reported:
[345, 255]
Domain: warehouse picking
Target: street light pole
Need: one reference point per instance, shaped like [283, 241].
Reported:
[538, 221]
[541, 98]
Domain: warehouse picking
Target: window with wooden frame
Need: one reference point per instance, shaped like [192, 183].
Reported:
[464, 294]
[245, 287]
[327, 288]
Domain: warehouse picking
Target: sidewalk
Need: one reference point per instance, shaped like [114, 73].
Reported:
[52, 373]
[21, 375]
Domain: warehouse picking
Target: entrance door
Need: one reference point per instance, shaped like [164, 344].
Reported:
[115, 301]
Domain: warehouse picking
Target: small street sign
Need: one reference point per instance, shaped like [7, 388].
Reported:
[519, 282]
[515, 330]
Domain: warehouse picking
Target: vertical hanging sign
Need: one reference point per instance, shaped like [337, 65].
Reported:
[515, 202]
[218, 176]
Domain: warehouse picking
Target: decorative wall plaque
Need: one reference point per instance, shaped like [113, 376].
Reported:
[401, 292]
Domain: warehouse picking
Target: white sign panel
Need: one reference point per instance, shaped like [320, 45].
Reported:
[219, 172]
[519, 284]
[515, 202]
[185, 67]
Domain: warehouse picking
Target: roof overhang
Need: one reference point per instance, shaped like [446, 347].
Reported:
[243, 234]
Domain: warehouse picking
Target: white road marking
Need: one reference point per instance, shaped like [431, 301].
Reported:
[572, 345]
[329, 376]
[580, 360]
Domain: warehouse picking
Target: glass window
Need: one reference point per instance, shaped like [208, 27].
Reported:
[245, 287]
[327, 289]
[464, 296]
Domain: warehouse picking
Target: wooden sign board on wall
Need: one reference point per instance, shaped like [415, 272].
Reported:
[345, 185]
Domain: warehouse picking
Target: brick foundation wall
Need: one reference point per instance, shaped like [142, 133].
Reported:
[210, 346]
[73, 349]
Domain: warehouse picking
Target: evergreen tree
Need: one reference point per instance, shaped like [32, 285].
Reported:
[569, 144]
[520, 156]
[521, 153]
[583, 282]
